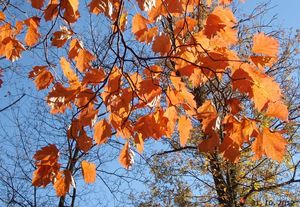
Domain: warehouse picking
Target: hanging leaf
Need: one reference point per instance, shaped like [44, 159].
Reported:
[63, 181]
[184, 128]
[271, 144]
[43, 77]
[69, 72]
[84, 142]
[102, 131]
[126, 156]
[38, 4]
[47, 166]
[265, 45]
[13, 49]
[164, 48]
[94, 76]
[32, 35]
[61, 37]
[139, 142]
[51, 11]
[88, 171]
[140, 29]
[83, 60]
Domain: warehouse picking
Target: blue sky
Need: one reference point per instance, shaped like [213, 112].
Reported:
[288, 11]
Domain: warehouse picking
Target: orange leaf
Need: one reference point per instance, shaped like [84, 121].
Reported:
[83, 60]
[47, 165]
[156, 9]
[63, 181]
[126, 156]
[271, 144]
[110, 8]
[98, 6]
[260, 87]
[234, 104]
[210, 143]
[84, 142]
[235, 134]
[184, 128]
[13, 49]
[74, 129]
[69, 72]
[233, 130]
[75, 47]
[85, 97]
[74, 4]
[162, 44]
[59, 97]
[140, 29]
[141, 4]
[102, 131]
[148, 90]
[51, 11]
[114, 81]
[171, 115]
[265, 45]
[47, 155]
[184, 25]
[139, 141]
[208, 116]
[230, 150]
[38, 4]
[43, 77]
[32, 37]
[174, 6]
[242, 82]
[61, 37]
[262, 61]
[88, 115]
[44, 175]
[225, 2]
[139, 23]
[71, 10]
[2, 16]
[220, 19]
[145, 125]
[265, 89]
[147, 35]
[277, 109]
[88, 171]
[94, 76]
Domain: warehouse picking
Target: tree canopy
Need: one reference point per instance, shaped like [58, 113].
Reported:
[183, 72]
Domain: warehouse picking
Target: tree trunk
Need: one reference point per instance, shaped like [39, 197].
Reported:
[224, 182]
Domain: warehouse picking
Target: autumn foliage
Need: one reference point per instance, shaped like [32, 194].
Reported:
[155, 100]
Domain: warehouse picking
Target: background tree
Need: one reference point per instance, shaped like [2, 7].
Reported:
[181, 173]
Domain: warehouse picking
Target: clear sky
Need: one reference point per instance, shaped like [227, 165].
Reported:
[288, 11]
